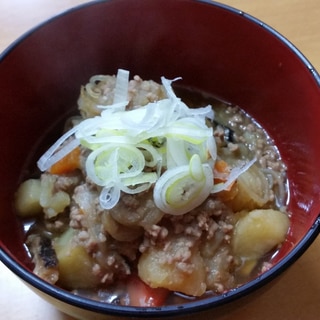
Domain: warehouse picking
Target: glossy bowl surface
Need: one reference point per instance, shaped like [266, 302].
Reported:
[215, 49]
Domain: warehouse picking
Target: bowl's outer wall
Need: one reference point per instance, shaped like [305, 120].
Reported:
[213, 49]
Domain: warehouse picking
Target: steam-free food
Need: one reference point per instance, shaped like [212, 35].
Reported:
[154, 194]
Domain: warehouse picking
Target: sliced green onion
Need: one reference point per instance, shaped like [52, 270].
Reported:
[212, 147]
[102, 175]
[168, 87]
[139, 183]
[176, 153]
[191, 135]
[121, 88]
[130, 149]
[113, 163]
[109, 196]
[152, 157]
[183, 188]
[195, 168]
[119, 106]
[51, 156]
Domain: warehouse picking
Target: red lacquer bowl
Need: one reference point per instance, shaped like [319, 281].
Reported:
[215, 49]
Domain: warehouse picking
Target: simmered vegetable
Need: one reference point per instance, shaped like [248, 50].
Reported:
[27, 200]
[119, 231]
[252, 190]
[53, 202]
[75, 264]
[258, 231]
[67, 164]
[163, 268]
[145, 199]
[142, 295]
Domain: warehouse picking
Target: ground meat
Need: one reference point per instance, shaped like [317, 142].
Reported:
[182, 250]
[203, 223]
[142, 92]
[68, 182]
[112, 256]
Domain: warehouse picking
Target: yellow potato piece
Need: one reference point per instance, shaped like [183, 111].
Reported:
[75, 264]
[27, 198]
[259, 231]
[187, 276]
[52, 202]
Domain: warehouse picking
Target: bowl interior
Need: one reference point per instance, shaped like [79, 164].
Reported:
[214, 49]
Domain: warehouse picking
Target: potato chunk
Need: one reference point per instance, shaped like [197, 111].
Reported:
[163, 267]
[27, 198]
[52, 201]
[258, 231]
[75, 264]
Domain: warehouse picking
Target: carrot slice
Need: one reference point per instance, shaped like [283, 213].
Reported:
[142, 295]
[221, 166]
[221, 172]
[68, 163]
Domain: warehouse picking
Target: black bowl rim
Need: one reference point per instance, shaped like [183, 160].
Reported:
[192, 306]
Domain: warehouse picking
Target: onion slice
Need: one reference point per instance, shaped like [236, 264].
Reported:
[233, 176]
